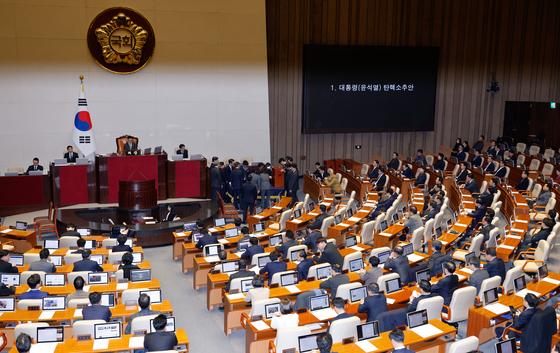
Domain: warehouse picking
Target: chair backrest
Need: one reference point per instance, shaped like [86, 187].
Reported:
[437, 219]
[433, 306]
[535, 164]
[521, 160]
[68, 242]
[531, 184]
[341, 211]
[285, 217]
[455, 170]
[330, 171]
[465, 345]
[115, 257]
[75, 303]
[352, 256]
[24, 304]
[366, 233]
[258, 306]
[306, 199]
[313, 269]
[536, 190]
[384, 278]
[122, 140]
[236, 283]
[338, 177]
[29, 328]
[141, 324]
[378, 220]
[71, 258]
[84, 328]
[476, 244]
[548, 154]
[461, 302]
[295, 248]
[364, 170]
[550, 204]
[276, 277]
[492, 240]
[30, 257]
[376, 251]
[511, 275]
[71, 276]
[221, 247]
[542, 251]
[343, 184]
[327, 222]
[483, 186]
[343, 291]
[417, 237]
[429, 160]
[520, 147]
[26, 274]
[109, 243]
[287, 337]
[389, 214]
[534, 150]
[489, 283]
[507, 172]
[344, 328]
[428, 230]
[547, 170]
[255, 260]
[130, 296]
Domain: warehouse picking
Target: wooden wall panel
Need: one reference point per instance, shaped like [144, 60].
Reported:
[518, 40]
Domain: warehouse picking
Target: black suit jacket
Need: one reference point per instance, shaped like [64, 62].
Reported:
[523, 184]
[248, 193]
[6, 267]
[373, 306]
[130, 149]
[472, 187]
[185, 153]
[399, 265]
[332, 283]
[435, 262]
[71, 157]
[33, 168]
[160, 341]
[445, 287]
[87, 265]
[331, 255]
[496, 267]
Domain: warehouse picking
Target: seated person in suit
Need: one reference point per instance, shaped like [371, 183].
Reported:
[71, 231]
[310, 240]
[437, 259]
[420, 159]
[492, 149]
[121, 245]
[303, 266]
[420, 178]
[127, 265]
[381, 180]
[494, 265]
[477, 160]
[439, 164]
[34, 282]
[35, 166]
[397, 341]
[425, 293]
[479, 145]
[274, 266]
[374, 304]
[290, 241]
[374, 173]
[462, 173]
[413, 220]
[43, 264]
[394, 162]
[160, 340]
[523, 184]
[144, 305]
[542, 234]
[70, 155]
[478, 212]
[324, 343]
[286, 317]
[5, 265]
[170, 214]
[470, 184]
[130, 147]
[252, 250]
[86, 264]
[521, 317]
[337, 278]
[407, 171]
[338, 306]
[302, 299]
[207, 238]
[243, 272]
[501, 171]
[320, 172]
[81, 243]
[23, 343]
[258, 292]
[96, 311]
[447, 285]
[79, 293]
[183, 151]
[461, 155]
[372, 274]
[487, 226]
[478, 274]
[398, 263]
[328, 253]
[490, 167]
[316, 224]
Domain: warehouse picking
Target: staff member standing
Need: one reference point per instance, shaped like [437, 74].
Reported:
[183, 151]
[70, 155]
[215, 179]
[248, 197]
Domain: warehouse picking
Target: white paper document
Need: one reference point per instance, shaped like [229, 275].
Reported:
[551, 280]
[5, 231]
[43, 347]
[47, 314]
[136, 342]
[497, 308]
[212, 230]
[122, 286]
[78, 313]
[517, 230]
[513, 237]
[313, 327]
[223, 241]
[293, 289]
[508, 247]
[427, 330]
[522, 220]
[277, 207]
[357, 248]
[260, 325]
[314, 214]
[324, 314]
[370, 204]
[386, 234]
[236, 296]
[101, 344]
[390, 300]
[344, 224]
[414, 257]
[86, 288]
[366, 346]
[354, 219]
[211, 259]
[297, 221]
[258, 216]
[460, 224]
[522, 293]
[180, 234]
[467, 270]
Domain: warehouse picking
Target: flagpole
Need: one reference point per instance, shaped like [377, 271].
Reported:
[82, 82]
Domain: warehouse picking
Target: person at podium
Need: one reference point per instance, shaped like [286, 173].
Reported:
[183, 151]
[130, 147]
[35, 166]
[70, 155]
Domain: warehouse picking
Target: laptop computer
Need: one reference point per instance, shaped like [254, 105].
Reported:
[356, 265]
[383, 256]
[7, 304]
[357, 294]
[288, 279]
[423, 275]
[308, 343]
[490, 296]
[154, 294]
[417, 318]
[368, 330]
[50, 334]
[107, 330]
[350, 241]
[140, 275]
[60, 161]
[507, 346]
[271, 309]
[392, 285]
[323, 272]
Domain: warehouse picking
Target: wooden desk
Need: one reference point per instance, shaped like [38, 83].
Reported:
[388, 237]
[299, 223]
[314, 188]
[268, 213]
[23, 240]
[338, 231]
[187, 178]
[24, 193]
[66, 251]
[179, 239]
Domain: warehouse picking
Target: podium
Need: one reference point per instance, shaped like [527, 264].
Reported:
[137, 199]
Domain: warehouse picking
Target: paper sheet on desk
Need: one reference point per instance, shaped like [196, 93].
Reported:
[467, 270]
[297, 221]
[258, 216]
[357, 248]
[86, 288]
[551, 280]
[43, 347]
[354, 219]
[522, 293]
[122, 286]
[521, 220]
[366, 346]
[324, 314]
[180, 234]
[513, 237]
[460, 224]
[78, 313]
[6, 230]
[386, 234]
[497, 308]
[461, 277]
[211, 259]
[414, 257]
[100, 344]
[277, 207]
[313, 327]
[236, 296]
[314, 214]
[212, 230]
[517, 230]
[260, 325]
[136, 342]
[238, 254]
[47, 314]
[370, 204]
[344, 224]
[390, 300]
[293, 289]
[223, 241]
[506, 247]
[427, 330]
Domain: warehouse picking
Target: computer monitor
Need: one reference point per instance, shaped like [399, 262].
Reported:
[230, 266]
[55, 279]
[368, 330]
[288, 279]
[259, 227]
[350, 241]
[136, 257]
[140, 275]
[408, 249]
[319, 302]
[356, 265]
[196, 237]
[97, 258]
[490, 296]
[98, 278]
[107, 330]
[158, 149]
[395, 217]
[35, 172]
[349, 213]
[423, 275]
[230, 233]
[51, 244]
[82, 161]
[294, 255]
[108, 299]
[271, 309]
[84, 231]
[383, 225]
[7, 304]
[154, 294]
[520, 283]
[357, 294]
[392, 285]
[507, 346]
[246, 285]
[438, 232]
[263, 260]
[469, 257]
[417, 318]
[56, 260]
[323, 272]
[308, 343]
[310, 205]
[10, 279]
[212, 250]
[21, 225]
[90, 244]
[383, 256]
[57, 302]
[543, 271]
[16, 260]
[220, 222]
[297, 213]
[169, 327]
[191, 226]
[275, 240]
[337, 219]
[449, 223]
[243, 245]
[148, 150]
[50, 334]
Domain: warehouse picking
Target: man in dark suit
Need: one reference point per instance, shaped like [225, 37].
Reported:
[470, 184]
[374, 304]
[207, 238]
[478, 275]
[290, 241]
[487, 226]
[304, 264]
[338, 306]
[35, 166]
[160, 340]
[374, 173]
[320, 172]
[215, 179]
[523, 184]
[425, 293]
[86, 264]
[439, 164]
[121, 245]
[170, 214]
[81, 243]
[490, 167]
[462, 173]
[310, 239]
[329, 253]
[398, 263]
[130, 147]
[70, 155]
[237, 178]
[542, 234]
[420, 178]
[501, 171]
[274, 266]
[70, 231]
[96, 311]
[478, 212]
[5, 265]
[252, 250]
[183, 151]
[437, 259]
[381, 180]
[316, 224]
[521, 318]
[243, 272]
[488, 195]
[477, 160]
[337, 278]
[447, 285]
[407, 171]
[394, 162]
[492, 149]
[397, 341]
[495, 266]
[248, 197]
[293, 182]
[420, 159]
[479, 145]
[34, 292]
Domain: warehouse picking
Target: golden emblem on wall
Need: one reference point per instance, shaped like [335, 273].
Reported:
[121, 40]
